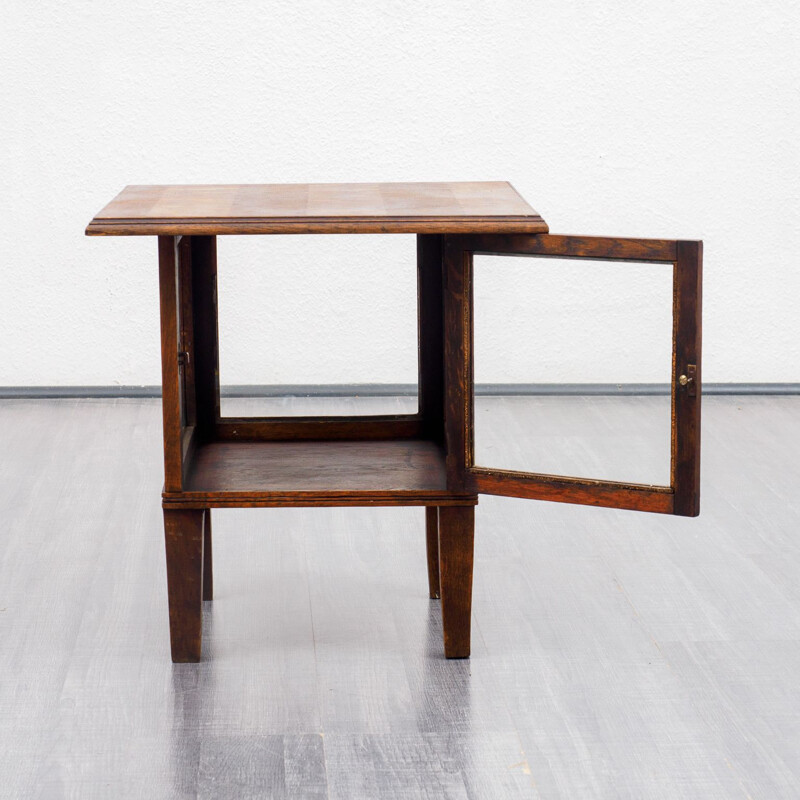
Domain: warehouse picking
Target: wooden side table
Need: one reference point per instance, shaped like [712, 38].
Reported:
[423, 459]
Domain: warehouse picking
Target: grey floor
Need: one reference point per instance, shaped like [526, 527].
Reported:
[615, 655]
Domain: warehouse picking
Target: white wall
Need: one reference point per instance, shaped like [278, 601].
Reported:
[675, 119]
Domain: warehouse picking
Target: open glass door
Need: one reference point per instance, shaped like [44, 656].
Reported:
[681, 495]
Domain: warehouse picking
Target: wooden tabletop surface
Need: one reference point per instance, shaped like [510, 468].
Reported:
[479, 207]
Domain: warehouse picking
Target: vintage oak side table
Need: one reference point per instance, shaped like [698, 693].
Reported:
[422, 459]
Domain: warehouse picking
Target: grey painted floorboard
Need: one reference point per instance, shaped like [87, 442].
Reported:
[615, 655]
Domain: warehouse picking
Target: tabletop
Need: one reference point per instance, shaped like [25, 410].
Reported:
[457, 207]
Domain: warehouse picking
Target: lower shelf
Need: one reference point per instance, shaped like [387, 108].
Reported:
[308, 473]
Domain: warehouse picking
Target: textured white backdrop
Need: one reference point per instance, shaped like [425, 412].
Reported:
[675, 119]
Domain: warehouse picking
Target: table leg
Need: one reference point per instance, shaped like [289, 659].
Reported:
[456, 541]
[432, 542]
[183, 531]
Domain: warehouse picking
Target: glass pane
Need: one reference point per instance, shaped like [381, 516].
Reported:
[334, 317]
[572, 367]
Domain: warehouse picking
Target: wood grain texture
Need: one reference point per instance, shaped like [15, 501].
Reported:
[459, 374]
[687, 358]
[186, 348]
[385, 426]
[332, 472]
[317, 208]
[627, 655]
[456, 544]
[430, 336]
[170, 368]
[581, 491]
[264, 463]
[205, 331]
[183, 533]
[432, 550]
[457, 766]
[602, 248]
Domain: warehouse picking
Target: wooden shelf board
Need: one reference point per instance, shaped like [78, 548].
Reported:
[377, 472]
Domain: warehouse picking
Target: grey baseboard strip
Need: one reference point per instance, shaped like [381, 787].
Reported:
[400, 390]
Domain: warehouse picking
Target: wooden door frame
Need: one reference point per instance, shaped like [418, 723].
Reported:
[681, 497]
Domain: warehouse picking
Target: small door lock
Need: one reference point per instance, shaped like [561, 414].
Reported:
[687, 380]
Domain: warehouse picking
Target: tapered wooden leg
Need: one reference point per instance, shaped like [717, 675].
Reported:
[183, 530]
[456, 539]
[208, 570]
[432, 542]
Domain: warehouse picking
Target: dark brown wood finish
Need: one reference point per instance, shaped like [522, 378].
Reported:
[183, 531]
[564, 489]
[313, 499]
[314, 473]
[267, 429]
[206, 335]
[456, 544]
[430, 305]
[186, 350]
[686, 379]
[458, 381]
[601, 248]
[432, 548]
[423, 459]
[189, 443]
[170, 377]
[682, 496]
